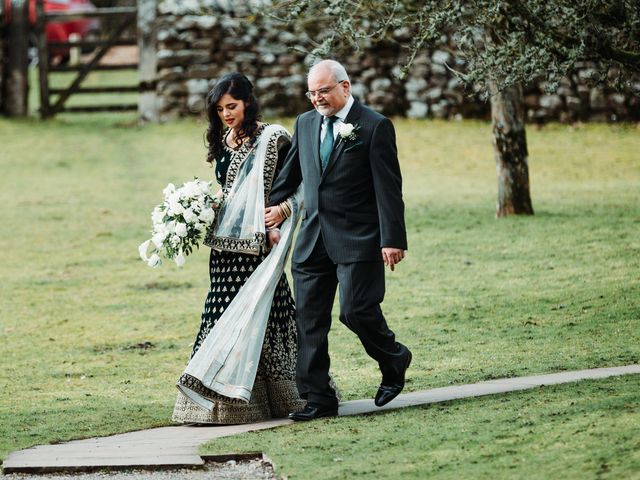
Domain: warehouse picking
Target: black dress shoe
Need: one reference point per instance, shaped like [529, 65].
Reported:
[311, 412]
[389, 391]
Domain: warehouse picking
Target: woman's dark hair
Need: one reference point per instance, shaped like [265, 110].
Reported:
[240, 88]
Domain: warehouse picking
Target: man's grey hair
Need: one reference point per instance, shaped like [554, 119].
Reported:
[339, 72]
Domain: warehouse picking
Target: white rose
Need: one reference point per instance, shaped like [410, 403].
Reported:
[175, 208]
[173, 204]
[181, 229]
[174, 197]
[189, 190]
[169, 189]
[205, 187]
[158, 239]
[189, 215]
[158, 215]
[207, 215]
[168, 227]
[345, 129]
[180, 259]
[175, 241]
[154, 260]
[199, 226]
[161, 228]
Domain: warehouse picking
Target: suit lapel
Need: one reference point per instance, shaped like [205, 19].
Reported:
[352, 117]
[315, 141]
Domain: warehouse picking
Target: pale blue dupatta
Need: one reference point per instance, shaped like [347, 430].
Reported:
[227, 361]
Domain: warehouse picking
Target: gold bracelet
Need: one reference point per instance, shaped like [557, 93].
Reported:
[287, 208]
[284, 209]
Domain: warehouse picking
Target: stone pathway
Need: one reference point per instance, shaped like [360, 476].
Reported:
[231, 470]
[177, 446]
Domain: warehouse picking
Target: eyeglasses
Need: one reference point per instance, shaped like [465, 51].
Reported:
[321, 91]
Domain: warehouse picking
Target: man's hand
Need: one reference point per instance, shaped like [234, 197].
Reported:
[272, 217]
[392, 256]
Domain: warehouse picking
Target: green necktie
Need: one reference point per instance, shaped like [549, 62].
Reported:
[327, 143]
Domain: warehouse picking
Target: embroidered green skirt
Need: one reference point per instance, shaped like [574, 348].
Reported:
[274, 392]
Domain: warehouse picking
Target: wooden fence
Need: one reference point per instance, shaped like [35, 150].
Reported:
[54, 100]
[16, 79]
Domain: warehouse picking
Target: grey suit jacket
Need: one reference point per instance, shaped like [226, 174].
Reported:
[356, 203]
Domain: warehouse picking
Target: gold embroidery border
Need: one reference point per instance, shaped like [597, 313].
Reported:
[256, 245]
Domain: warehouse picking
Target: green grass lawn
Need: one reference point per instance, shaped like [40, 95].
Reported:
[476, 298]
[575, 431]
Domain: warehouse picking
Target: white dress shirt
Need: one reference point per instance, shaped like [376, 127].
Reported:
[342, 116]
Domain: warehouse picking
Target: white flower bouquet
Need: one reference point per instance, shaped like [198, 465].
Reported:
[179, 222]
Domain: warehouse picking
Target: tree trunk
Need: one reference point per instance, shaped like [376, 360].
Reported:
[17, 87]
[147, 69]
[510, 147]
[3, 57]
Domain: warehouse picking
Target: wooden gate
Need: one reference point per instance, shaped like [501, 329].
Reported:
[126, 19]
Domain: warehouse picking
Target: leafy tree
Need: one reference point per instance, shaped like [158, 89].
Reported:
[505, 44]
[531, 38]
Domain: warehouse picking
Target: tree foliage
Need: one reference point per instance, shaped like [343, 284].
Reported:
[507, 42]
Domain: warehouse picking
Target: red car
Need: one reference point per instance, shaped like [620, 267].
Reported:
[87, 28]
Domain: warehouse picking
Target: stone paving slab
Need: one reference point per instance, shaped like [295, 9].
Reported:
[256, 468]
[489, 387]
[177, 446]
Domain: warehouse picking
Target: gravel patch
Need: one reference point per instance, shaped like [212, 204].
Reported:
[231, 470]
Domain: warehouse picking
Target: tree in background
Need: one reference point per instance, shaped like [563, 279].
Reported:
[504, 43]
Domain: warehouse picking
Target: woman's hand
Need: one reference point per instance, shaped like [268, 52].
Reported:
[217, 199]
[273, 217]
[273, 237]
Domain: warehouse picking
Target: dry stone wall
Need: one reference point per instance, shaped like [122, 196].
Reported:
[195, 49]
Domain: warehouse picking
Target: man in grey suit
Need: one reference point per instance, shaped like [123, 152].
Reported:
[352, 226]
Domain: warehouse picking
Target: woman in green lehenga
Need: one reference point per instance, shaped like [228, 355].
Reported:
[246, 155]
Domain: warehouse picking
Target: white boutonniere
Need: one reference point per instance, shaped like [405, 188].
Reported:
[347, 131]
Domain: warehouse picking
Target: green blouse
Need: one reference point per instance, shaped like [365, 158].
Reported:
[224, 160]
[222, 165]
